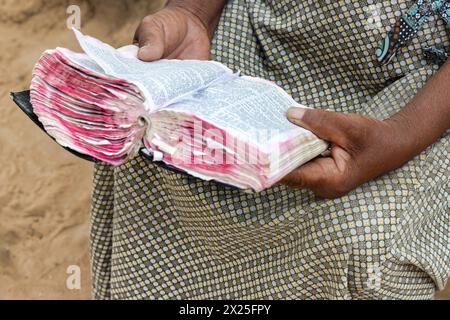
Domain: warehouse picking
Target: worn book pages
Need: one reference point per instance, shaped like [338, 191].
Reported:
[197, 116]
[161, 81]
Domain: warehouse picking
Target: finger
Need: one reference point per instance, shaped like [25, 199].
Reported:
[327, 125]
[294, 180]
[307, 176]
[150, 38]
[341, 159]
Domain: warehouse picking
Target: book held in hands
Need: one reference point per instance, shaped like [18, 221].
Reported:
[197, 116]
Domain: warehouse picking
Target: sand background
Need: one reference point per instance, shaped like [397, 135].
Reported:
[45, 191]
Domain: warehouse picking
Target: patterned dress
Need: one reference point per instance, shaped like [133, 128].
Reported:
[158, 234]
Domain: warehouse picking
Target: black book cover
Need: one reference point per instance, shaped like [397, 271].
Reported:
[22, 99]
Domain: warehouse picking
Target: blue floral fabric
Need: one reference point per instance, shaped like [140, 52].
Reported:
[408, 26]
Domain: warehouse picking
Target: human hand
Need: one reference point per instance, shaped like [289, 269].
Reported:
[173, 33]
[362, 148]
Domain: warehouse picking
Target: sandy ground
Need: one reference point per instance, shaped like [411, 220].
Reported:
[44, 191]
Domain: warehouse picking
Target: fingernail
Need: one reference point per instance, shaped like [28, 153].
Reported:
[296, 113]
[145, 53]
[144, 48]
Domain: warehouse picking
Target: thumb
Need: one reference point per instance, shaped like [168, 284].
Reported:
[300, 178]
[327, 125]
[309, 176]
[151, 43]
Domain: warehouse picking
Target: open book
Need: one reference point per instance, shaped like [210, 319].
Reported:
[197, 116]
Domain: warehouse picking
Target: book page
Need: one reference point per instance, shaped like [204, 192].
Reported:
[161, 81]
[82, 60]
[244, 106]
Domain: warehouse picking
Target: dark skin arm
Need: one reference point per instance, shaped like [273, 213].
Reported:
[364, 148]
[183, 29]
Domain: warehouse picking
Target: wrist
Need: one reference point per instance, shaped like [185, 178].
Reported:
[405, 135]
[386, 146]
[402, 142]
[206, 13]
